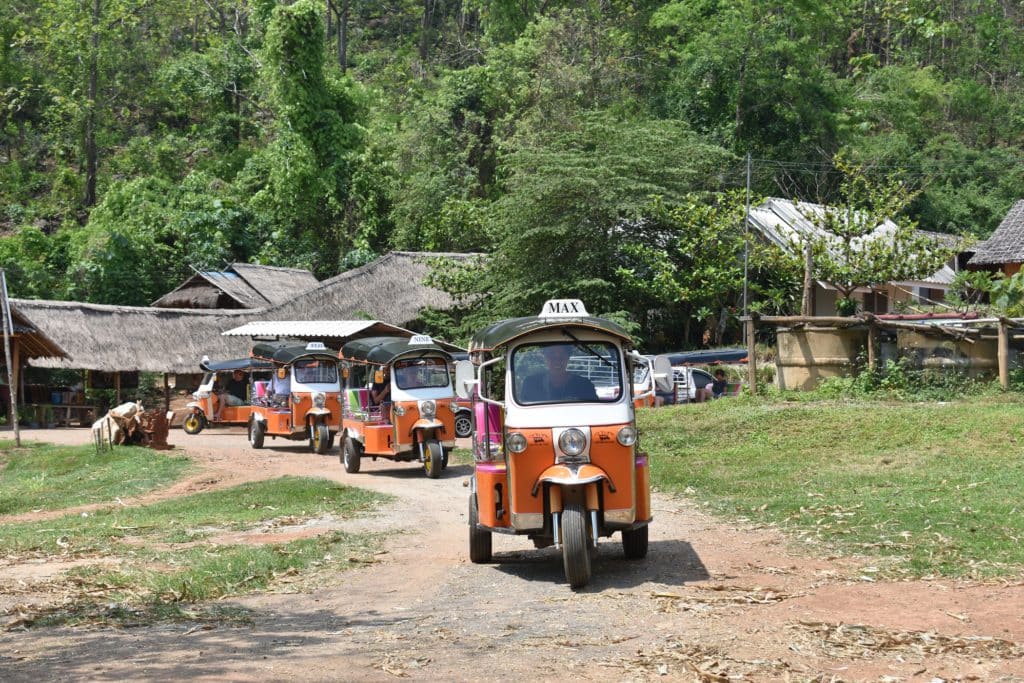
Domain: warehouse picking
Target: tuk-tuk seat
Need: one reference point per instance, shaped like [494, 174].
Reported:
[259, 389]
[358, 403]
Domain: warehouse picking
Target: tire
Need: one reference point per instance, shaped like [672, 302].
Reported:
[444, 461]
[351, 458]
[194, 423]
[330, 440]
[634, 543]
[434, 458]
[321, 438]
[479, 541]
[575, 545]
[256, 433]
[463, 424]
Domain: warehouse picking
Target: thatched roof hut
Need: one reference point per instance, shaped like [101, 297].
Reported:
[242, 285]
[131, 338]
[1005, 248]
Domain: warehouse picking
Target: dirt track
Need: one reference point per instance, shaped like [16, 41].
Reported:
[711, 599]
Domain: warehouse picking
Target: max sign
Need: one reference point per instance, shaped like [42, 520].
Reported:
[563, 308]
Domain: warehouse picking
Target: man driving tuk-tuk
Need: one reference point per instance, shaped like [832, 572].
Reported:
[555, 440]
[301, 400]
[224, 394]
[399, 402]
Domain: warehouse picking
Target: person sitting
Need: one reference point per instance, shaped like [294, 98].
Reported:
[380, 392]
[720, 384]
[557, 383]
[282, 386]
[235, 392]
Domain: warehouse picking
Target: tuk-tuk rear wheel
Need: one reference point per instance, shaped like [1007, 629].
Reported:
[434, 458]
[256, 433]
[479, 540]
[321, 438]
[350, 456]
[634, 543]
[194, 423]
[575, 545]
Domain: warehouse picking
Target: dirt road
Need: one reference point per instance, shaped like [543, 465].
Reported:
[712, 601]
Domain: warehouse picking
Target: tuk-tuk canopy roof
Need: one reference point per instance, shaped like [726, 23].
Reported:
[501, 333]
[383, 350]
[287, 351]
[247, 364]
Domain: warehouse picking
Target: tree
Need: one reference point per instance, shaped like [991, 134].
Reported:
[863, 240]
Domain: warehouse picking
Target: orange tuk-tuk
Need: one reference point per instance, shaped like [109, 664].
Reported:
[399, 402]
[301, 401]
[555, 439]
[211, 404]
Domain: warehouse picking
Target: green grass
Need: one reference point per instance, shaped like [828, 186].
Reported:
[163, 553]
[41, 476]
[924, 488]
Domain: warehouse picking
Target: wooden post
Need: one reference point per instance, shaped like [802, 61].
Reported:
[12, 360]
[1004, 355]
[751, 357]
[117, 388]
[807, 304]
[167, 394]
[872, 345]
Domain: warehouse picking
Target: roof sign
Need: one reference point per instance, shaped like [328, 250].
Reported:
[316, 346]
[563, 308]
[420, 339]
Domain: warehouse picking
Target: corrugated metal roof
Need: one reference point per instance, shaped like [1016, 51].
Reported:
[308, 329]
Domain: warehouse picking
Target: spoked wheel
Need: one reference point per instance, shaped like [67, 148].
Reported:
[321, 438]
[194, 423]
[433, 458]
[256, 433]
[575, 545]
[463, 424]
[634, 543]
[350, 455]
[479, 540]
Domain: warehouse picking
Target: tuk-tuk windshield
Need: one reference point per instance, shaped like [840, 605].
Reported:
[421, 373]
[566, 372]
[315, 371]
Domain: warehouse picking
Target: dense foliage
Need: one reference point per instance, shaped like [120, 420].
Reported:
[592, 149]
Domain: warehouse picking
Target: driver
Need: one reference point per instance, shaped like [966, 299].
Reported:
[557, 383]
[236, 390]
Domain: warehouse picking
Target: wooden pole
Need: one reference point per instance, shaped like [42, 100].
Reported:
[117, 388]
[807, 304]
[12, 361]
[872, 345]
[751, 356]
[1003, 354]
[167, 394]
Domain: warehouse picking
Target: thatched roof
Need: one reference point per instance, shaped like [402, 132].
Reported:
[130, 338]
[243, 285]
[390, 289]
[1006, 245]
[32, 342]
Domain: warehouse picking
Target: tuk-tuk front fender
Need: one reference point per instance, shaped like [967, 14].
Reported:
[423, 424]
[571, 475]
[195, 406]
[317, 412]
[258, 417]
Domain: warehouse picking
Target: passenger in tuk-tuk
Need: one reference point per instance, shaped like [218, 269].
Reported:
[380, 393]
[235, 392]
[282, 386]
[556, 383]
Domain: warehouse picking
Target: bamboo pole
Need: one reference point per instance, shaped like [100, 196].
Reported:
[1003, 354]
[751, 356]
[12, 368]
[872, 346]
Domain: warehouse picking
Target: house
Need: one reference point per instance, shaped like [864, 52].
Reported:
[783, 222]
[242, 285]
[1004, 250]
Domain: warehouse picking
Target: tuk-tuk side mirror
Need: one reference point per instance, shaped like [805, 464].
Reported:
[664, 379]
[378, 376]
[344, 371]
[465, 379]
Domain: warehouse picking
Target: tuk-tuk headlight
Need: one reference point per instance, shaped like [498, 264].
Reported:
[572, 442]
[627, 436]
[319, 399]
[398, 410]
[516, 442]
[428, 409]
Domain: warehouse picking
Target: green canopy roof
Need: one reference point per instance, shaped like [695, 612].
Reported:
[288, 351]
[383, 350]
[503, 332]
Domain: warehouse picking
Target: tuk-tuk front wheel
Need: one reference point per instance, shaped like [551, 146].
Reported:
[350, 456]
[575, 545]
[433, 458]
[321, 438]
[634, 543]
[256, 433]
[479, 540]
[194, 423]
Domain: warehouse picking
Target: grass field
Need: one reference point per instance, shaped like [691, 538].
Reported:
[46, 477]
[924, 488]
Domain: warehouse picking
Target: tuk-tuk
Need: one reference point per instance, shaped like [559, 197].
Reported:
[555, 439]
[399, 402]
[652, 378]
[210, 404]
[301, 400]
